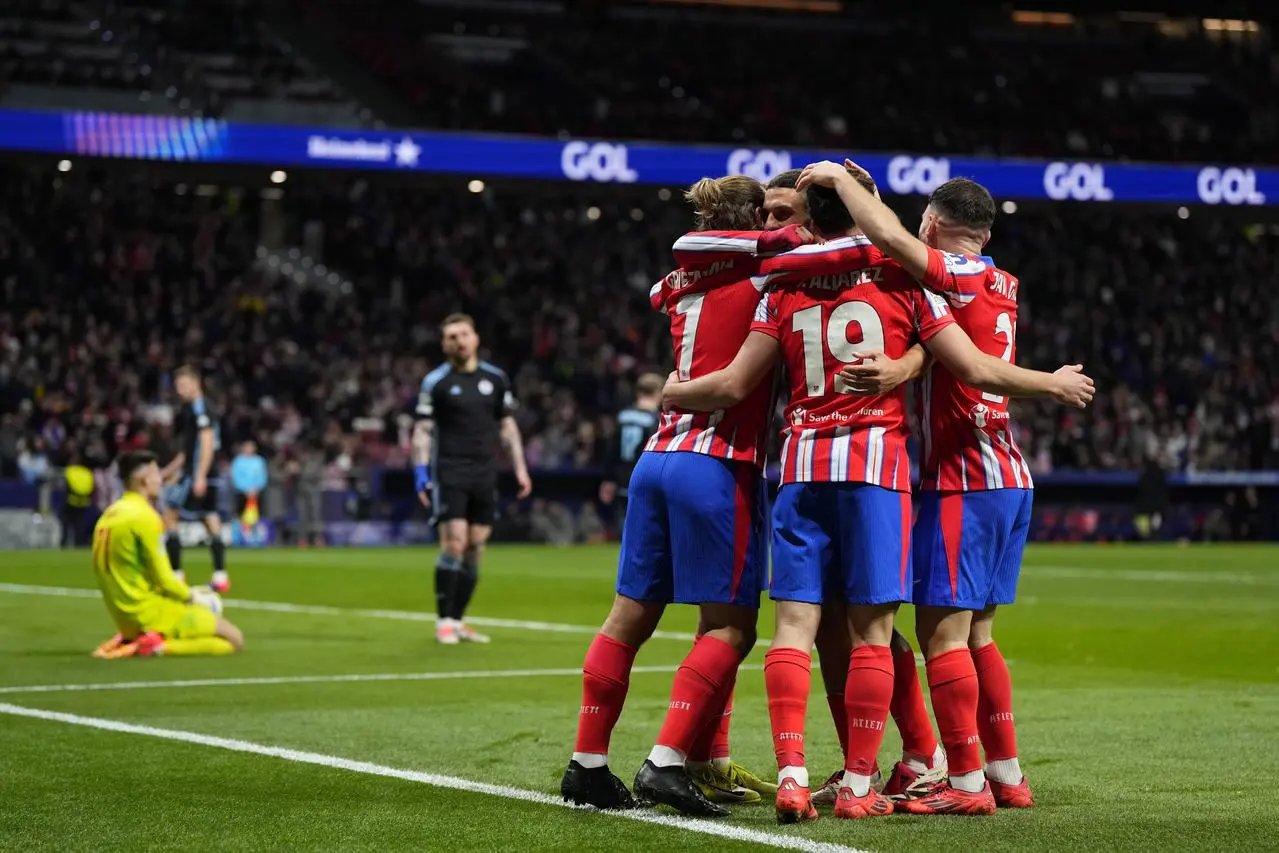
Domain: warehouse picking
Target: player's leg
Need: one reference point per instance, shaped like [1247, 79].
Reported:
[480, 513]
[874, 530]
[923, 762]
[220, 581]
[191, 630]
[710, 758]
[172, 499]
[716, 515]
[995, 703]
[834, 645]
[450, 505]
[803, 554]
[957, 539]
[643, 590]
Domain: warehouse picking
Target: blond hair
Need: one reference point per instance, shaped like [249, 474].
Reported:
[726, 204]
[649, 384]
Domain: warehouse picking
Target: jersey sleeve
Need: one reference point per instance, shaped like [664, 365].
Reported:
[657, 293]
[957, 277]
[817, 259]
[768, 315]
[202, 416]
[932, 314]
[506, 402]
[155, 561]
[698, 249]
[425, 408]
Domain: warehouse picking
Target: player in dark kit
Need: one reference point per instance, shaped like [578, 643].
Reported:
[465, 407]
[634, 426]
[193, 496]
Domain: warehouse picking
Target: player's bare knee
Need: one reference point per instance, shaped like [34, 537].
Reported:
[213, 524]
[730, 624]
[942, 629]
[871, 624]
[797, 625]
[981, 632]
[632, 622]
[233, 635]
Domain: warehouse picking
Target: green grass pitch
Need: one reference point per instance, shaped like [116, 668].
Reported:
[1146, 679]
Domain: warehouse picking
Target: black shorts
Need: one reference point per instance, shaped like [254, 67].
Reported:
[473, 501]
[181, 498]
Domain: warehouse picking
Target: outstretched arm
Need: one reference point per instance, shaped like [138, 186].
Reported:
[728, 386]
[953, 348]
[876, 220]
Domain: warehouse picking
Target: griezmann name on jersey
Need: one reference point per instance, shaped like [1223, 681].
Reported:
[710, 301]
[824, 303]
[132, 569]
[968, 442]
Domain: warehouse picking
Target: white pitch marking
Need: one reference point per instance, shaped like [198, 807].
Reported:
[371, 613]
[705, 827]
[317, 679]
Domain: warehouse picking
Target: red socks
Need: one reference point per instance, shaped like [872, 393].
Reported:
[839, 714]
[867, 694]
[606, 674]
[995, 704]
[788, 676]
[719, 745]
[908, 709]
[952, 680]
[706, 671]
[712, 741]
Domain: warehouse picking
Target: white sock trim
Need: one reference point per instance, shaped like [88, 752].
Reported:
[858, 783]
[665, 756]
[591, 760]
[791, 771]
[1006, 771]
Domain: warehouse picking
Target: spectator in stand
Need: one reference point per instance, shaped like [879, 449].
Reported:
[249, 479]
[33, 462]
[311, 475]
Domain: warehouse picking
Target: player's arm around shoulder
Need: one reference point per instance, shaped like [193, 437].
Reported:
[729, 385]
[1068, 385]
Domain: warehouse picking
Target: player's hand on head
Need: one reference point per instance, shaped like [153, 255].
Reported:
[824, 174]
[1074, 387]
[875, 373]
[849, 164]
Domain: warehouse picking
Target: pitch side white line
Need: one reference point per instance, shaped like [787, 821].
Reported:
[371, 613]
[318, 679]
[705, 827]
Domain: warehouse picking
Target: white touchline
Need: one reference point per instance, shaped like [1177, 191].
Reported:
[326, 610]
[705, 827]
[320, 679]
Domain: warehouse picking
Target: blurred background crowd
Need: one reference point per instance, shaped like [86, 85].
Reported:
[312, 309]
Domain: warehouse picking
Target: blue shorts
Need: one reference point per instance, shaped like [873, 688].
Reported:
[968, 547]
[841, 541]
[695, 531]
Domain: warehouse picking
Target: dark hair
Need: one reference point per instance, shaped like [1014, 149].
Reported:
[128, 463]
[964, 202]
[785, 180]
[828, 213]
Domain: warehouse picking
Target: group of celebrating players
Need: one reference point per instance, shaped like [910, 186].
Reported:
[815, 274]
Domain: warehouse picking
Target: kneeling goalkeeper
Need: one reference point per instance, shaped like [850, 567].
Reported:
[156, 613]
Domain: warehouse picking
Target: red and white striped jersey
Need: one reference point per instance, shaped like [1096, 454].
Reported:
[968, 439]
[710, 300]
[825, 302]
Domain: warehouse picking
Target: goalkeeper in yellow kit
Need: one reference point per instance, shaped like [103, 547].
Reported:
[156, 613]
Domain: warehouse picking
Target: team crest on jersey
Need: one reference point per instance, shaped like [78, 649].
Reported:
[980, 414]
[485, 387]
[799, 416]
[455, 390]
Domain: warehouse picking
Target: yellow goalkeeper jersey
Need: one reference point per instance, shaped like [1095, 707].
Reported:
[132, 569]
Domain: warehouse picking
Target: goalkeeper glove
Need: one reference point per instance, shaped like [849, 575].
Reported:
[422, 477]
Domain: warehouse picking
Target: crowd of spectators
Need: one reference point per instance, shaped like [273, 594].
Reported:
[965, 82]
[109, 281]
